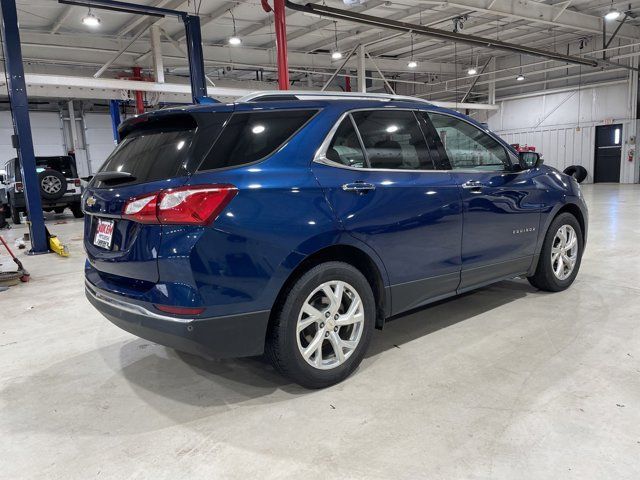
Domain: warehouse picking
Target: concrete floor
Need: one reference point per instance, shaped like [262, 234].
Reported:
[505, 382]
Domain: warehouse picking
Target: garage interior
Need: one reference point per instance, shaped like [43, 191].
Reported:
[502, 382]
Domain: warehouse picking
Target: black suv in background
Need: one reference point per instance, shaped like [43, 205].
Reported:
[58, 182]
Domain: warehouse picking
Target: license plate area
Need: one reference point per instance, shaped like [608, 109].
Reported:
[104, 233]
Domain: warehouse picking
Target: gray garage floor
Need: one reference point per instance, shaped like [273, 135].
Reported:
[505, 383]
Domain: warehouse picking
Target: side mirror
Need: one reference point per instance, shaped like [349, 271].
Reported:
[530, 160]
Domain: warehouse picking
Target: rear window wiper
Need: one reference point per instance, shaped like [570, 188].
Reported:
[114, 178]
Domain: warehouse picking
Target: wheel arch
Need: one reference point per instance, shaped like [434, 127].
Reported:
[355, 256]
[574, 210]
[567, 207]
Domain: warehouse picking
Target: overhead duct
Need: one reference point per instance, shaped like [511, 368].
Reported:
[363, 19]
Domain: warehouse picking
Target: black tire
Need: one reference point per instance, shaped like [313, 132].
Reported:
[6, 210]
[52, 184]
[15, 215]
[76, 209]
[282, 339]
[544, 277]
[576, 171]
[59, 210]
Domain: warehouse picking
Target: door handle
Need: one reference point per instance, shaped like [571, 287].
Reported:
[358, 187]
[473, 185]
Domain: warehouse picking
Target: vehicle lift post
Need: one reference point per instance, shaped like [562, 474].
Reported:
[17, 89]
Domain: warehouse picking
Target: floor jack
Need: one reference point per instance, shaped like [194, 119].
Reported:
[11, 278]
[55, 245]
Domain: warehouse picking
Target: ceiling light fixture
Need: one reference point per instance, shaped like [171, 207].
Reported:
[90, 20]
[234, 39]
[472, 71]
[412, 63]
[520, 77]
[336, 55]
[612, 14]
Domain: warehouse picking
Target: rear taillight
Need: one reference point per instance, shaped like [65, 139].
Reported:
[19, 187]
[191, 205]
[76, 182]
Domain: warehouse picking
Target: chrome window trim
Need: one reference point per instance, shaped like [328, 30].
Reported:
[320, 156]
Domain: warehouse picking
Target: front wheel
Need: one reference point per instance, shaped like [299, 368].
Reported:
[323, 326]
[560, 256]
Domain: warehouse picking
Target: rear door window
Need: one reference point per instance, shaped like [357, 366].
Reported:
[393, 140]
[345, 147]
[251, 136]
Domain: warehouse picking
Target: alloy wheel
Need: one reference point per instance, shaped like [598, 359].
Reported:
[564, 252]
[51, 184]
[330, 325]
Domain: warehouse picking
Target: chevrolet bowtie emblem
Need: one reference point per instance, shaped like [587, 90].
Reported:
[91, 201]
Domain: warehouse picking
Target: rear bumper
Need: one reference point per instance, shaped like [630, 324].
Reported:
[217, 337]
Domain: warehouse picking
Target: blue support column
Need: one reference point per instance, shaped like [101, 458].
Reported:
[114, 110]
[19, 102]
[196, 59]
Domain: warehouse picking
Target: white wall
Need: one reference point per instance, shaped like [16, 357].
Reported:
[46, 130]
[562, 125]
[99, 137]
[49, 137]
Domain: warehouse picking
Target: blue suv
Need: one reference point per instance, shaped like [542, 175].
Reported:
[294, 224]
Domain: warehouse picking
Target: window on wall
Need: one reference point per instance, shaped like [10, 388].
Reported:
[393, 140]
[467, 146]
[345, 147]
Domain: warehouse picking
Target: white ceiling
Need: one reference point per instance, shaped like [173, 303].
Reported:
[55, 40]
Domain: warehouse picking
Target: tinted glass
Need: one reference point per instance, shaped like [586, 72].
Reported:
[467, 146]
[251, 136]
[345, 147]
[393, 139]
[64, 164]
[152, 155]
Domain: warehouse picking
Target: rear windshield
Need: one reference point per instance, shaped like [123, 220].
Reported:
[151, 155]
[249, 137]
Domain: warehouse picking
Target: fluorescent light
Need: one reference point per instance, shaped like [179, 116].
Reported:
[412, 64]
[392, 129]
[90, 20]
[472, 71]
[336, 56]
[235, 41]
[520, 78]
[612, 14]
[258, 129]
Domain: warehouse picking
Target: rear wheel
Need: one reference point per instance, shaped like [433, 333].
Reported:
[560, 256]
[323, 327]
[76, 209]
[15, 215]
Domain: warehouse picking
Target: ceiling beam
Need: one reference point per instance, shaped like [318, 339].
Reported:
[314, 27]
[402, 15]
[212, 16]
[61, 19]
[558, 15]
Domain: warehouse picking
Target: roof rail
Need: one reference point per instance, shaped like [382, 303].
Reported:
[314, 95]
